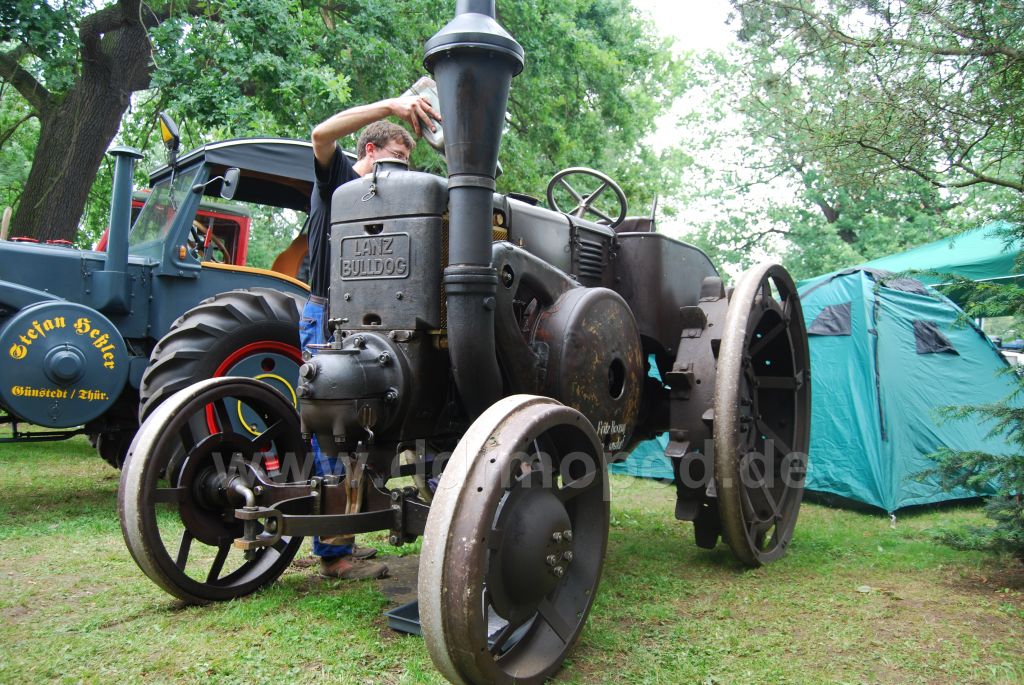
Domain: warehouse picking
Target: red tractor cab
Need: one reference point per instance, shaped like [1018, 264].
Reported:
[223, 229]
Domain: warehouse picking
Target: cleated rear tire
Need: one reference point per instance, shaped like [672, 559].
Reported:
[252, 332]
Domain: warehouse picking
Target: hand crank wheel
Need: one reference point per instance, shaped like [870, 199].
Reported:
[185, 474]
[514, 544]
[762, 415]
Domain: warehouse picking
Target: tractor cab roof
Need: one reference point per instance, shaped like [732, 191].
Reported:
[274, 171]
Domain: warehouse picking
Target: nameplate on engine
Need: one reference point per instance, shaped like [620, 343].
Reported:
[375, 256]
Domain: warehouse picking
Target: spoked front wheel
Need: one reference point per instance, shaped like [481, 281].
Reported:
[514, 544]
[762, 415]
[188, 468]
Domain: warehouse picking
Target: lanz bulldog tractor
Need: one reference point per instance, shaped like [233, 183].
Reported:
[493, 355]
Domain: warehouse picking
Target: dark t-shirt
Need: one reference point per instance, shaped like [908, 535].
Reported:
[327, 181]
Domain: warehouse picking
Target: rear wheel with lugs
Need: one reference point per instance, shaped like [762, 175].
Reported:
[253, 333]
[762, 411]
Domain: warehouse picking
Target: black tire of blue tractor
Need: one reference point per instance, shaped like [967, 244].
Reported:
[202, 338]
[115, 429]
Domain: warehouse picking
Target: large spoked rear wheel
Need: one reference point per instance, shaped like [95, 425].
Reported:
[177, 497]
[762, 415]
[514, 544]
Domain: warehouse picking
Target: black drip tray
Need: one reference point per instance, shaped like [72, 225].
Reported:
[405, 618]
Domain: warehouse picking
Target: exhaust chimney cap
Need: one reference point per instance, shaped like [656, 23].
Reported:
[391, 164]
[473, 31]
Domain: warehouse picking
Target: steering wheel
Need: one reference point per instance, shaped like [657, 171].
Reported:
[585, 202]
[197, 237]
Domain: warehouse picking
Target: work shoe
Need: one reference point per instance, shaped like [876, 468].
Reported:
[360, 553]
[363, 552]
[347, 568]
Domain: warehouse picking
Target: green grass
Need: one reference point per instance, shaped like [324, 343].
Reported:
[855, 601]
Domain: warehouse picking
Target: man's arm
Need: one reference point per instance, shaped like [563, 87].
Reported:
[414, 109]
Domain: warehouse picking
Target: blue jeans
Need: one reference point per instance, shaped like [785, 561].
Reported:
[312, 331]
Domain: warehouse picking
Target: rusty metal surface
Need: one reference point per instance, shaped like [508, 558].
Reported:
[657, 275]
[594, 360]
[533, 302]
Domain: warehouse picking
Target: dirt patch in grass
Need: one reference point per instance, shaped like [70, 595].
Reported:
[13, 613]
[1004, 579]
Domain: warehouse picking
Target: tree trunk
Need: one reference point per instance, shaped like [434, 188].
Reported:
[77, 129]
[72, 141]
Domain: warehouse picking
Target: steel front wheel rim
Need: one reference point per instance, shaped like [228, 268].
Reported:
[455, 601]
[149, 501]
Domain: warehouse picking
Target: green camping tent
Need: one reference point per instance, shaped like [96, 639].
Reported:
[886, 355]
[981, 254]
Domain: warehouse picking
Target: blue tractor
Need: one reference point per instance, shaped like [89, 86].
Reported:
[92, 341]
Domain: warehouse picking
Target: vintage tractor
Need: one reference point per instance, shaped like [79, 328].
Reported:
[489, 357]
[78, 327]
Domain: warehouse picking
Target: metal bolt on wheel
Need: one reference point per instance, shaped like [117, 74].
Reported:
[186, 474]
[514, 544]
[762, 415]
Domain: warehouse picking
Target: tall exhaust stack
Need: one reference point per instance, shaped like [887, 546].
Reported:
[473, 60]
[111, 287]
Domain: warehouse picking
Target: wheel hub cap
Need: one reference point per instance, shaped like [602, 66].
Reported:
[536, 548]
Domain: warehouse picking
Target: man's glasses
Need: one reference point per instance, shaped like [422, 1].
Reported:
[397, 154]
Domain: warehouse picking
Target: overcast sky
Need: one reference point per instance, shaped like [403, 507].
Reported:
[695, 24]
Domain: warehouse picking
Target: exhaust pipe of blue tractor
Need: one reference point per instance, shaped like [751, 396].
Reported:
[111, 284]
[473, 60]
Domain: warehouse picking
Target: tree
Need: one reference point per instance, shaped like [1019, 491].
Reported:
[976, 470]
[860, 127]
[596, 76]
[874, 89]
[820, 230]
[77, 89]
[765, 190]
[18, 132]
